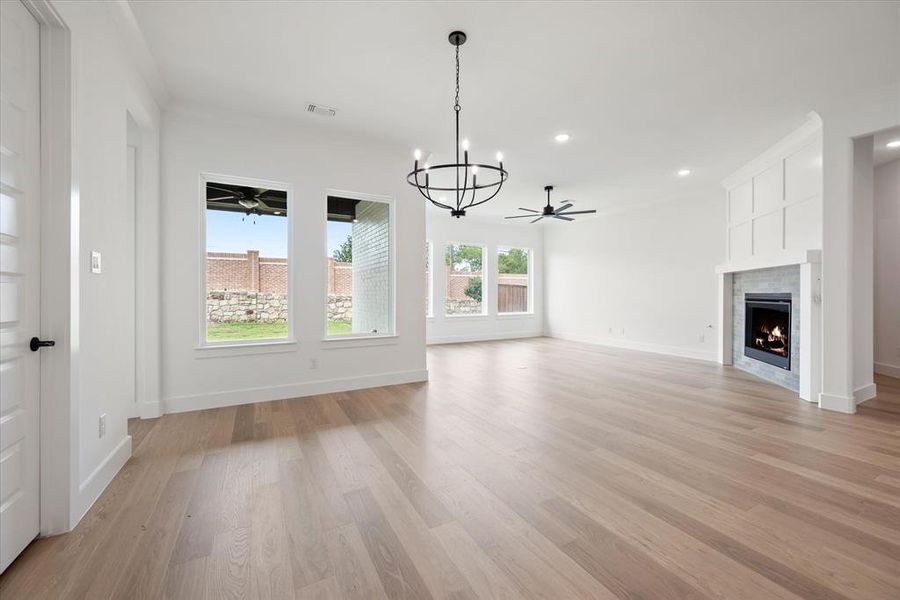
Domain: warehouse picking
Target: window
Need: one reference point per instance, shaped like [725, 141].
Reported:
[429, 280]
[360, 266]
[246, 261]
[465, 287]
[513, 266]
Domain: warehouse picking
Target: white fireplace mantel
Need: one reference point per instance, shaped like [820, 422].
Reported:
[810, 311]
[782, 259]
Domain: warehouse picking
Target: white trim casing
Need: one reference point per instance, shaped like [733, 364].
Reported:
[59, 275]
[429, 309]
[235, 347]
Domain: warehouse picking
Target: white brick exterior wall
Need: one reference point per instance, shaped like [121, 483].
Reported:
[372, 268]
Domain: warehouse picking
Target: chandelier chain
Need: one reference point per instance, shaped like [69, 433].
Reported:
[456, 106]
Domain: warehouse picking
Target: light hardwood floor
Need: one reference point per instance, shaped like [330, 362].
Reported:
[524, 469]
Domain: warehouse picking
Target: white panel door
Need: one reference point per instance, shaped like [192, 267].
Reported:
[19, 279]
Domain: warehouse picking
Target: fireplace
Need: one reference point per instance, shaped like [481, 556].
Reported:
[767, 328]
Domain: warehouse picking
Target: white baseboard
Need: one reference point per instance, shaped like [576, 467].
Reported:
[481, 337]
[866, 392]
[149, 410]
[94, 484]
[837, 403]
[295, 390]
[887, 369]
[696, 354]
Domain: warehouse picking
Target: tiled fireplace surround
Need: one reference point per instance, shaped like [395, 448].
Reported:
[776, 280]
[798, 274]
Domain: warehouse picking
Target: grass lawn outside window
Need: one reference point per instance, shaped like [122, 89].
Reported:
[226, 332]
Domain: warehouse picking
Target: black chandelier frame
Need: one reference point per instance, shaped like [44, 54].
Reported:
[457, 39]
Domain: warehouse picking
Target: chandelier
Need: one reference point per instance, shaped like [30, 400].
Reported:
[468, 191]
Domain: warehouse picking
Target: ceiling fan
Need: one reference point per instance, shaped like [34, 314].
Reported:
[549, 211]
[257, 201]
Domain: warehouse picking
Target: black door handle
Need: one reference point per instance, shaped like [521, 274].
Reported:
[37, 344]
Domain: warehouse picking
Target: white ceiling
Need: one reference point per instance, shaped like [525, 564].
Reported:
[643, 88]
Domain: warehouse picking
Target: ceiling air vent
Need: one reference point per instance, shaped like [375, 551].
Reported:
[318, 109]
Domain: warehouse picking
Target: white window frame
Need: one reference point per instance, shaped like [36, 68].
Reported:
[256, 346]
[362, 339]
[485, 282]
[530, 274]
[429, 313]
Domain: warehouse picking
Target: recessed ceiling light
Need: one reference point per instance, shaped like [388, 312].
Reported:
[893, 144]
[562, 137]
[684, 172]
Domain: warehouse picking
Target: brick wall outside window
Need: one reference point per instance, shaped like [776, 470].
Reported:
[250, 272]
[372, 268]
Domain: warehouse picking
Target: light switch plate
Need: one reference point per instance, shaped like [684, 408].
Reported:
[95, 262]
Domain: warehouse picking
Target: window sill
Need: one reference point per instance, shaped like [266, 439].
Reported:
[515, 315]
[358, 341]
[464, 317]
[246, 348]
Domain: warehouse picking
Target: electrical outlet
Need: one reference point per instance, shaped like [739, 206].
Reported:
[622, 331]
[102, 430]
[610, 330]
[702, 338]
[314, 363]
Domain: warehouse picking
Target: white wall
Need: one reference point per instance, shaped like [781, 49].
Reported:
[312, 159]
[490, 232]
[108, 84]
[643, 279]
[887, 269]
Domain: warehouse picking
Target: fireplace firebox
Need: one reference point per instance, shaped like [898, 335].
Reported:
[767, 329]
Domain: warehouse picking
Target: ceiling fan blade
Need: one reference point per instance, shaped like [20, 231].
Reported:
[519, 217]
[578, 212]
[530, 210]
[210, 186]
[220, 198]
[538, 219]
[563, 207]
[562, 218]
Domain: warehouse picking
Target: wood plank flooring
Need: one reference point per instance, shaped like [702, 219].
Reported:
[524, 469]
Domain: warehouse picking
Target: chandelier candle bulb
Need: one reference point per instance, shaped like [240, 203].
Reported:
[417, 154]
[465, 144]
